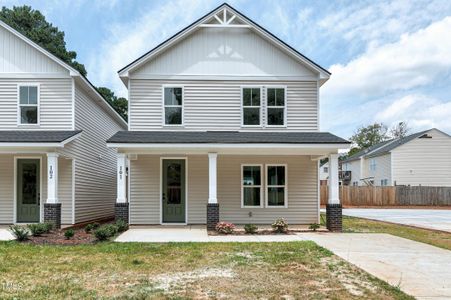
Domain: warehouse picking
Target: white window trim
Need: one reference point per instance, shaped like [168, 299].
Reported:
[261, 186]
[285, 110]
[284, 186]
[19, 119]
[260, 107]
[163, 120]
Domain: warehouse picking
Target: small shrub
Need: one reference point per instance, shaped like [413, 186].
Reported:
[19, 232]
[225, 227]
[250, 228]
[37, 229]
[280, 226]
[68, 234]
[314, 226]
[91, 226]
[105, 232]
[121, 225]
[48, 226]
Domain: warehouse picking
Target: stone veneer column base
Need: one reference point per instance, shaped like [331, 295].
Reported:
[334, 217]
[52, 214]
[212, 215]
[121, 212]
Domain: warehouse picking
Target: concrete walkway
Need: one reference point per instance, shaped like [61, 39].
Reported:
[420, 270]
[189, 234]
[426, 218]
[5, 235]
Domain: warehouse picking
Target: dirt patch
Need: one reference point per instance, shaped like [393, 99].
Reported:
[57, 238]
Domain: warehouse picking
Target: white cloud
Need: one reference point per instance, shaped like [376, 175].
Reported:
[126, 42]
[420, 111]
[417, 59]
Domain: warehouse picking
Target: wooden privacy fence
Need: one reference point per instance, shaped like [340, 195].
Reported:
[391, 195]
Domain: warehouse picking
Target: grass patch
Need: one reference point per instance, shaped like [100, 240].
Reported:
[183, 271]
[360, 225]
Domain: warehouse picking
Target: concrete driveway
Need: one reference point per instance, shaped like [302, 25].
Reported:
[426, 218]
[5, 235]
[420, 270]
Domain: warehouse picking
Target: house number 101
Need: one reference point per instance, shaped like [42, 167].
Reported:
[51, 172]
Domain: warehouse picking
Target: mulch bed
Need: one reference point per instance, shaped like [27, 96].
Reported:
[57, 238]
[263, 232]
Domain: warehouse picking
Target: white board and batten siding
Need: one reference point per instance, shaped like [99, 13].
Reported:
[95, 164]
[223, 52]
[217, 104]
[16, 56]
[423, 161]
[302, 188]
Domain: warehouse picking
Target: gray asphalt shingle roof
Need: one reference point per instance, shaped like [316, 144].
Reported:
[36, 136]
[224, 137]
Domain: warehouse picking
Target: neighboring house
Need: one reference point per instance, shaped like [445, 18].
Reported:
[223, 125]
[422, 158]
[54, 163]
[324, 173]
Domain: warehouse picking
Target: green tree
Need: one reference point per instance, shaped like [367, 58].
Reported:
[399, 130]
[33, 24]
[120, 104]
[367, 136]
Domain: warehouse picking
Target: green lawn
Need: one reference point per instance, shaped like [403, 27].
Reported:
[183, 271]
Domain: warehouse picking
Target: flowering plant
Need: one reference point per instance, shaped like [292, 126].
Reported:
[280, 226]
[225, 227]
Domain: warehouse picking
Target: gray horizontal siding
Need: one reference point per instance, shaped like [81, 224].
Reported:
[55, 103]
[217, 105]
[302, 190]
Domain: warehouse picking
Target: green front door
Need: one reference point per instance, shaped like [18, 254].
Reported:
[173, 193]
[28, 190]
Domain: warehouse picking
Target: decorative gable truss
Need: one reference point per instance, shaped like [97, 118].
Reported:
[225, 18]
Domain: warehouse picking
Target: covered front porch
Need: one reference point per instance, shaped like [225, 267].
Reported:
[36, 177]
[204, 183]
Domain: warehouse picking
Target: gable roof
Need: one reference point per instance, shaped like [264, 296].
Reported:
[72, 72]
[245, 22]
[387, 146]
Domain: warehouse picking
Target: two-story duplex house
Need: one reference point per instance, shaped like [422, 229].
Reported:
[422, 158]
[223, 125]
[54, 163]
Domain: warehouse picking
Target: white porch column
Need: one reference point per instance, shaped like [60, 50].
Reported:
[212, 178]
[333, 180]
[52, 177]
[121, 178]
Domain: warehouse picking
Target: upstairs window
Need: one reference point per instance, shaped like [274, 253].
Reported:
[276, 186]
[251, 186]
[373, 165]
[275, 106]
[251, 111]
[173, 106]
[28, 105]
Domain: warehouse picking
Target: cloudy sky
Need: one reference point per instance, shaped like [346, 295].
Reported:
[390, 60]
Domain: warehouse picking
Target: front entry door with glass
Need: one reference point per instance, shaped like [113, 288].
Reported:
[173, 192]
[28, 190]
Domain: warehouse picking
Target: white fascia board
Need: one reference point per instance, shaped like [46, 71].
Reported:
[230, 146]
[39, 145]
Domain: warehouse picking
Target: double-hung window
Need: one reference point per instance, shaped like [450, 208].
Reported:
[275, 106]
[28, 105]
[276, 185]
[251, 186]
[251, 106]
[173, 105]
[372, 164]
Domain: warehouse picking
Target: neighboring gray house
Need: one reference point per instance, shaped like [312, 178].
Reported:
[223, 125]
[54, 163]
[422, 158]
